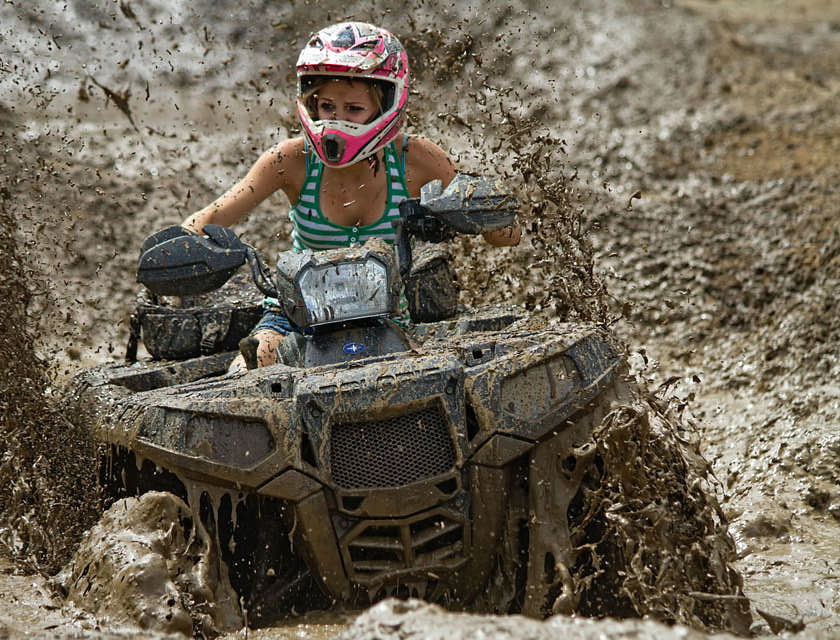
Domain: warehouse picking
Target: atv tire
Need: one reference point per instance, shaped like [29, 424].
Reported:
[556, 469]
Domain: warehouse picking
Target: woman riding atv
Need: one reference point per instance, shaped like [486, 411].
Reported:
[352, 87]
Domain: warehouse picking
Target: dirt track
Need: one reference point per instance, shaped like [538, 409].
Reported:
[705, 136]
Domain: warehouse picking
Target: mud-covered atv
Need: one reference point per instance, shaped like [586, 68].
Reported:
[437, 461]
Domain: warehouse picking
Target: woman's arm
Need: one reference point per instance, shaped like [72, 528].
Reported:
[425, 161]
[281, 167]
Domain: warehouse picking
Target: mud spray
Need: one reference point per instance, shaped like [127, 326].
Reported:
[48, 490]
[146, 564]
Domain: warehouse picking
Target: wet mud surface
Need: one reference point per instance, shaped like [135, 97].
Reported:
[678, 161]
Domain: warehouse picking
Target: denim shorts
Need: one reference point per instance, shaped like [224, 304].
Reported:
[274, 321]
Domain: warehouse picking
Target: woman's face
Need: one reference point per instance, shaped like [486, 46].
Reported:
[346, 100]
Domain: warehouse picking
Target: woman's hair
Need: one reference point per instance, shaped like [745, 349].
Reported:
[310, 95]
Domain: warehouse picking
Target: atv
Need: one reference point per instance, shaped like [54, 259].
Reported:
[437, 460]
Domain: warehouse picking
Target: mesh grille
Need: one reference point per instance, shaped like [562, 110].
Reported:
[391, 453]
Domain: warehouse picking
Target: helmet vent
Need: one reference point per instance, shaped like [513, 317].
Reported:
[333, 147]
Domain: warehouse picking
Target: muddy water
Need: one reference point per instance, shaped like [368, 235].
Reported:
[704, 139]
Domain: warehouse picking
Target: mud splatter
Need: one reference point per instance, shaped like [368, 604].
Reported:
[654, 540]
[145, 565]
[48, 492]
[724, 117]
[398, 620]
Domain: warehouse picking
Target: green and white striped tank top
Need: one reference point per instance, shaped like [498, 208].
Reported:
[312, 230]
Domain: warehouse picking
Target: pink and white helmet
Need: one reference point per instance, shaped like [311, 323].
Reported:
[355, 50]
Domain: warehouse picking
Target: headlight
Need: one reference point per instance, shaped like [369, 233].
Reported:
[345, 291]
[338, 285]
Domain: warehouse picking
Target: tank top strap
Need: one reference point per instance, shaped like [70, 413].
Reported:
[306, 153]
[395, 166]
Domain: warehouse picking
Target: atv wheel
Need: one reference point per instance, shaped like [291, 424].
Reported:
[557, 467]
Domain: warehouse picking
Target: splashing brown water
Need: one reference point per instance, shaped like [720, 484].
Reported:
[48, 492]
[146, 565]
[661, 549]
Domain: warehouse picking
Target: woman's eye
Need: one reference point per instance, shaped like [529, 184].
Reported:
[355, 108]
[327, 106]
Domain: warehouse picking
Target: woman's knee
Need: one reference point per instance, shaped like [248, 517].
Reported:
[267, 349]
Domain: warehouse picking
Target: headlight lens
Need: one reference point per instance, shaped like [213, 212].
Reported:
[345, 290]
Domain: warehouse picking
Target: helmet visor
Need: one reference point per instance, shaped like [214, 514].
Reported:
[382, 92]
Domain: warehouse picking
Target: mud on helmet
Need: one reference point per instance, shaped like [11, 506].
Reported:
[353, 50]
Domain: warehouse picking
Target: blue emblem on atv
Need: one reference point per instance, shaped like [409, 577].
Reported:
[354, 348]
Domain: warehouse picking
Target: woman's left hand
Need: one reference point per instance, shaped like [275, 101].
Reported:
[507, 237]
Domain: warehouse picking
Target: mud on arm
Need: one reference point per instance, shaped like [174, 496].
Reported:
[275, 169]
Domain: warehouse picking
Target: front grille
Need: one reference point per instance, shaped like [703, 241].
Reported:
[392, 452]
[379, 550]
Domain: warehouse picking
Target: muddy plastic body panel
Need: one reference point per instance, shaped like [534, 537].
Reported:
[396, 468]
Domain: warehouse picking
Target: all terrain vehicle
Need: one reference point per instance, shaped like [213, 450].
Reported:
[438, 460]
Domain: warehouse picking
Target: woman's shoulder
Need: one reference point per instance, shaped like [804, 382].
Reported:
[284, 165]
[424, 161]
[413, 143]
[287, 150]
[421, 150]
